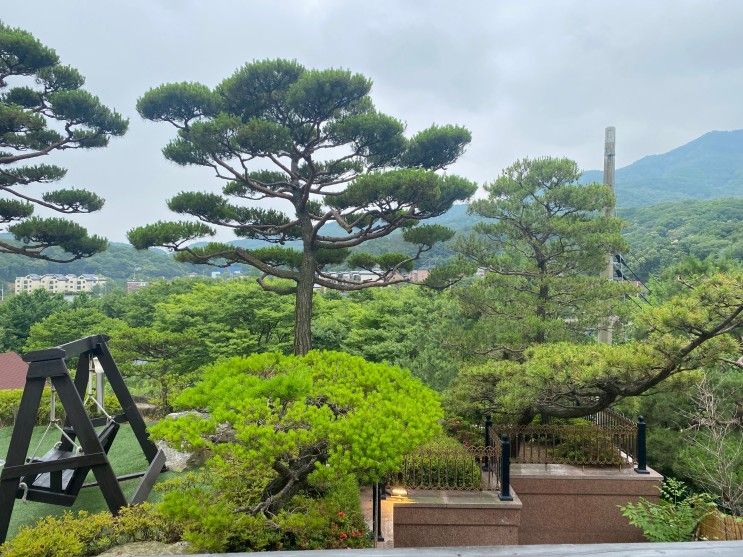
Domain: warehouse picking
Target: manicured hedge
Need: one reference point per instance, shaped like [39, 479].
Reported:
[10, 401]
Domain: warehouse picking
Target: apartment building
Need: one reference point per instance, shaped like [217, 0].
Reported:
[58, 284]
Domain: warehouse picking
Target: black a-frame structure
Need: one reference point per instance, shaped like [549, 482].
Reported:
[57, 476]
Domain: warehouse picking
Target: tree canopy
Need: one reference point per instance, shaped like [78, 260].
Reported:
[661, 235]
[692, 329]
[20, 313]
[46, 110]
[312, 141]
[542, 245]
[276, 426]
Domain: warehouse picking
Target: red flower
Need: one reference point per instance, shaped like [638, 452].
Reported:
[341, 514]
[343, 535]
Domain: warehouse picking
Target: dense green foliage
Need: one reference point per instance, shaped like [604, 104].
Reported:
[442, 463]
[231, 318]
[359, 417]
[543, 244]
[279, 429]
[45, 110]
[688, 331]
[293, 119]
[695, 434]
[662, 235]
[674, 518]
[405, 326]
[328, 516]
[19, 313]
[83, 534]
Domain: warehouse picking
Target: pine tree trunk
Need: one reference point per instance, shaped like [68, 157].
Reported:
[303, 306]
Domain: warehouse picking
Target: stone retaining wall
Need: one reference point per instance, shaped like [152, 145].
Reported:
[552, 504]
[451, 519]
[569, 504]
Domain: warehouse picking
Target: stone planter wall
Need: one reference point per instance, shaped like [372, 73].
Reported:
[552, 504]
[451, 519]
[569, 504]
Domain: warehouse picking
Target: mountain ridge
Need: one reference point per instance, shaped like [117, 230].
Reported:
[708, 167]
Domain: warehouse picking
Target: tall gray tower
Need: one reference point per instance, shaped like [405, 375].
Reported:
[607, 326]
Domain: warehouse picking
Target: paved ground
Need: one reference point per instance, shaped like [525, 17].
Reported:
[366, 506]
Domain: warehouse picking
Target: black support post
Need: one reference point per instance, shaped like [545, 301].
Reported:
[18, 448]
[378, 533]
[505, 469]
[488, 427]
[642, 457]
[375, 514]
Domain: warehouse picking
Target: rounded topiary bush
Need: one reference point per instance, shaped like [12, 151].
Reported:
[285, 435]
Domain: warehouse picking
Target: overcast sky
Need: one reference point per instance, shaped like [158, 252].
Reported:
[529, 78]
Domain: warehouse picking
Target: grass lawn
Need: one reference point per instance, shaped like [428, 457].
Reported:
[125, 456]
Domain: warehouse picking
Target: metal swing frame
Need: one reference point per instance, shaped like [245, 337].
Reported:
[58, 476]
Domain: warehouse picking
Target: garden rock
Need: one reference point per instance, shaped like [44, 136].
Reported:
[147, 548]
[177, 460]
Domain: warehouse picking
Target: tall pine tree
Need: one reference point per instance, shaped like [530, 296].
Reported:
[45, 110]
[542, 244]
[340, 173]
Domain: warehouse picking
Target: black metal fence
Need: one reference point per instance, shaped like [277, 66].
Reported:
[458, 468]
[450, 466]
[606, 439]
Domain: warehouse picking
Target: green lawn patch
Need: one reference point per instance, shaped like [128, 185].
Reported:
[125, 456]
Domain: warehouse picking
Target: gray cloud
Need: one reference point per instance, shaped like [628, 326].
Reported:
[528, 78]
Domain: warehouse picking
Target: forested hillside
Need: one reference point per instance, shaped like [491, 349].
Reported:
[658, 235]
[691, 220]
[662, 234]
[119, 262]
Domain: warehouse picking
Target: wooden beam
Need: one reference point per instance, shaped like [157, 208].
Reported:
[145, 486]
[36, 468]
[126, 401]
[18, 447]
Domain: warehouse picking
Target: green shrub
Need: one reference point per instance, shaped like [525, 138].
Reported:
[83, 534]
[587, 445]
[466, 432]
[443, 463]
[287, 441]
[326, 516]
[674, 518]
[10, 400]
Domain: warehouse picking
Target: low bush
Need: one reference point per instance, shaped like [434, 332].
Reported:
[10, 400]
[674, 518]
[587, 445]
[326, 516]
[287, 440]
[83, 534]
[443, 463]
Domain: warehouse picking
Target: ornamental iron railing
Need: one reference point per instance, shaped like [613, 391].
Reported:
[449, 467]
[606, 439]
